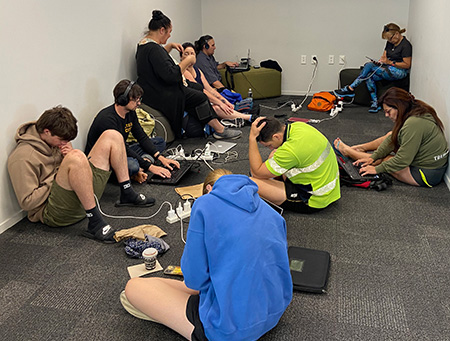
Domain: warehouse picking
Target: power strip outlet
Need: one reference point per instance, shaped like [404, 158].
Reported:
[173, 218]
[191, 158]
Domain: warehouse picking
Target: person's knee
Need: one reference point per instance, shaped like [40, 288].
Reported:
[110, 135]
[133, 166]
[77, 157]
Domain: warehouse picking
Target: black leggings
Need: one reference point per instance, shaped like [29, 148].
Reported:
[200, 111]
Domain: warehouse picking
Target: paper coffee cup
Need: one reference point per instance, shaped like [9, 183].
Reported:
[149, 256]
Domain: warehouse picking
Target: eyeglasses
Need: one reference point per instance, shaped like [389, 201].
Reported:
[137, 100]
[392, 36]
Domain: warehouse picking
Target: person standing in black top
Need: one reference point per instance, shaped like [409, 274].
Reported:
[121, 116]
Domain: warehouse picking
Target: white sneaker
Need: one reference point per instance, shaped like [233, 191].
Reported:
[233, 123]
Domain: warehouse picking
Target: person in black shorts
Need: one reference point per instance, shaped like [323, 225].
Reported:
[237, 282]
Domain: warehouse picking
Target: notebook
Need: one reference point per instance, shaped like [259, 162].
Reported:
[309, 269]
[221, 147]
[244, 64]
[177, 174]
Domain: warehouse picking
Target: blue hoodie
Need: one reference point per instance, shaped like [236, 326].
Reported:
[236, 256]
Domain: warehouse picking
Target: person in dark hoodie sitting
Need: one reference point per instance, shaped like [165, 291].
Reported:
[237, 282]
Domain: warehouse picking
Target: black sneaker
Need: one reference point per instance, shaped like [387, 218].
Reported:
[103, 234]
[140, 201]
[344, 92]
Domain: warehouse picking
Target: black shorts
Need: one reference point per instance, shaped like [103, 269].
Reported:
[193, 316]
[427, 177]
[297, 198]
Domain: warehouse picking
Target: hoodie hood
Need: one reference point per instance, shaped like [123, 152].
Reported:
[27, 133]
[236, 188]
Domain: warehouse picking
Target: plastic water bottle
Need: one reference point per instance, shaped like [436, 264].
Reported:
[250, 93]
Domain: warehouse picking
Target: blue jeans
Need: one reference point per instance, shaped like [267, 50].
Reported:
[375, 74]
[133, 164]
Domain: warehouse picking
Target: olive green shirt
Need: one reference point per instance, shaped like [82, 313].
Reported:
[422, 144]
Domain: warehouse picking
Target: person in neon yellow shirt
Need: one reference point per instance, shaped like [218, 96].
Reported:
[303, 161]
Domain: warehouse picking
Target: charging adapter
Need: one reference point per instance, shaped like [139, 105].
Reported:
[182, 212]
[294, 108]
[171, 216]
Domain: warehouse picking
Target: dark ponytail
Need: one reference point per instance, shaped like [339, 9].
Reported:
[158, 20]
[201, 42]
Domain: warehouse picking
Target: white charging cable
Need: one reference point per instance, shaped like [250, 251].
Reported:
[297, 108]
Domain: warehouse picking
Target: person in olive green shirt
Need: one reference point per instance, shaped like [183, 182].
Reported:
[414, 152]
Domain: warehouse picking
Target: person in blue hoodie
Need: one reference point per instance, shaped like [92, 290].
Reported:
[237, 282]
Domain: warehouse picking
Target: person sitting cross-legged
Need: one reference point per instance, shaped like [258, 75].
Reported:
[237, 282]
[56, 183]
[303, 161]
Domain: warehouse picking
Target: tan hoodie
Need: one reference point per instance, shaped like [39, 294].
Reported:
[32, 167]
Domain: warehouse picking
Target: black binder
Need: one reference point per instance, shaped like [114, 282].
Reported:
[309, 269]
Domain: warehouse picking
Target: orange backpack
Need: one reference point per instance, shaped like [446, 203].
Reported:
[322, 101]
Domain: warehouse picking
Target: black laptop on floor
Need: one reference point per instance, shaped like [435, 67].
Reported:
[309, 269]
[176, 174]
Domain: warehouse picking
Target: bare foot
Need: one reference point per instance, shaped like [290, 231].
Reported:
[140, 177]
[358, 148]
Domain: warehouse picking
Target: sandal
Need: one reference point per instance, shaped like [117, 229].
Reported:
[141, 201]
[103, 234]
[337, 151]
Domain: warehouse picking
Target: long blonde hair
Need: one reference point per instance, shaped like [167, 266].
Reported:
[213, 176]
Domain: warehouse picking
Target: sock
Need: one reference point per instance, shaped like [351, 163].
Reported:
[127, 193]
[95, 219]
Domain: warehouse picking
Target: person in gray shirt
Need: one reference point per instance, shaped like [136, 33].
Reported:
[205, 47]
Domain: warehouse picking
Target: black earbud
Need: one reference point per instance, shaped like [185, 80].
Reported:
[123, 99]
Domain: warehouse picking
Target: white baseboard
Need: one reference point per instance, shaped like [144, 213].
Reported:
[11, 221]
[447, 180]
[300, 93]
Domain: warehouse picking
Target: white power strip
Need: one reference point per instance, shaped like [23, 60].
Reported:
[181, 211]
[191, 158]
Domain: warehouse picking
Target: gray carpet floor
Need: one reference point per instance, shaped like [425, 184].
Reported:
[388, 280]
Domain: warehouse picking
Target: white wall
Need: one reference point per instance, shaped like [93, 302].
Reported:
[429, 30]
[286, 29]
[74, 52]
[70, 53]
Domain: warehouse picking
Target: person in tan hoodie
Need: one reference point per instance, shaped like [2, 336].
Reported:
[55, 183]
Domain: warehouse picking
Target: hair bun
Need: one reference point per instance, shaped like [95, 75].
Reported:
[157, 15]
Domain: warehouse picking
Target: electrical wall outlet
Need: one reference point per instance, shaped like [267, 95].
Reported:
[331, 59]
[313, 59]
[303, 59]
[341, 59]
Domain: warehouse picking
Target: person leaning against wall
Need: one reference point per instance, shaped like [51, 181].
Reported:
[205, 47]
[414, 152]
[56, 183]
[393, 65]
[165, 89]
